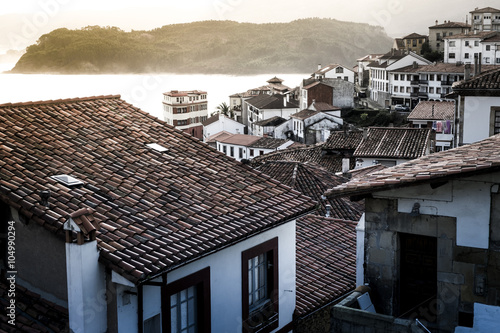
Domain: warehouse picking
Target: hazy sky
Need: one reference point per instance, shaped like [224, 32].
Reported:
[23, 21]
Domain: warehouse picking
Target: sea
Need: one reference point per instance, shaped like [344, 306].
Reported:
[142, 90]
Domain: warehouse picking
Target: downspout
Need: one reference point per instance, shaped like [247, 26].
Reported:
[140, 310]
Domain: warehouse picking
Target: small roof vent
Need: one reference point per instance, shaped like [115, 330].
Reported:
[157, 147]
[67, 180]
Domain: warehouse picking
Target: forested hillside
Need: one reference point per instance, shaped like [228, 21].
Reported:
[224, 47]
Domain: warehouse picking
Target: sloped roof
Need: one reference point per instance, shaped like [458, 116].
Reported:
[485, 10]
[394, 142]
[330, 67]
[156, 210]
[322, 106]
[341, 140]
[33, 313]
[265, 101]
[414, 35]
[314, 154]
[313, 180]
[304, 114]
[326, 261]
[269, 143]
[273, 121]
[450, 25]
[213, 119]
[433, 110]
[219, 136]
[478, 34]
[467, 160]
[484, 84]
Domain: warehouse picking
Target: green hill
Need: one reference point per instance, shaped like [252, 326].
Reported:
[224, 47]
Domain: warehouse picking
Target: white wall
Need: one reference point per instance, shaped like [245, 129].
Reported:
[87, 304]
[127, 308]
[466, 199]
[477, 117]
[223, 124]
[225, 278]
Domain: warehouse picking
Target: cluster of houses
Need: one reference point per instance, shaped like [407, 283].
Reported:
[278, 217]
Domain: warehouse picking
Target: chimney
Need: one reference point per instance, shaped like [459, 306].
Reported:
[475, 65]
[467, 72]
[479, 64]
[345, 165]
[328, 209]
[44, 197]
[436, 22]
[319, 67]
[365, 133]
[284, 101]
[415, 65]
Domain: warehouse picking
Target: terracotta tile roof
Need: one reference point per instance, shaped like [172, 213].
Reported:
[440, 67]
[313, 180]
[450, 25]
[219, 136]
[394, 142]
[322, 106]
[314, 154]
[265, 101]
[304, 114]
[370, 57]
[269, 143]
[273, 121]
[483, 84]
[156, 210]
[328, 68]
[414, 35]
[33, 313]
[313, 84]
[479, 34]
[433, 110]
[214, 118]
[482, 156]
[360, 172]
[340, 140]
[326, 261]
[240, 139]
[485, 10]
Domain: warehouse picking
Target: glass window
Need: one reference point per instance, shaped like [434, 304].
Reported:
[183, 315]
[451, 56]
[152, 325]
[452, 43]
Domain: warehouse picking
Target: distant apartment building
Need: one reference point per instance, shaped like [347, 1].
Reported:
[485, 19]
[439, 31]
[477, 46]
[413, 42]
[186, 110]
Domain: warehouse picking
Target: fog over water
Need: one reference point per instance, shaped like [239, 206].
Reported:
[142, 90]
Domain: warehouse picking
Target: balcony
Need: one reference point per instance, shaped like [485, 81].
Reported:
[446, 83]
[414, 94]
[423, 94]
[415, 82]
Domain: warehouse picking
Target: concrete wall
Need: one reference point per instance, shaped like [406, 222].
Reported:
[457, 214]
[41, 261]
[477, 120]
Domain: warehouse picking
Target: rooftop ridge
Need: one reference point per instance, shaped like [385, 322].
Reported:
[61, 101]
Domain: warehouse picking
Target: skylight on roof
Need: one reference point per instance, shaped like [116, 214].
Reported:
[157, 147]
[67, 180]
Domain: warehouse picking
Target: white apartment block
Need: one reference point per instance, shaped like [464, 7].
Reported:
[186, 110]
[465, 48]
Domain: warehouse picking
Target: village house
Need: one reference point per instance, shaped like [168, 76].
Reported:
[431, 245]
[334, 71]
[413, 42]
[246, 147]
[336, 92]
[439, 31]
[218, 123]
[485, 19]
[363, 71]
[440, 116]
[478, 107]
[472, 48]
[265, 106]
[311, 127]
[380, 79]
[390, 146]
[186, 110]
[134, 226]
[274, 127]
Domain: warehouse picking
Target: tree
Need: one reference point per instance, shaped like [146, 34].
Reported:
[224, 109]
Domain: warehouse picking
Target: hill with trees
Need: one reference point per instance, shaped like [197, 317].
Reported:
[224, 47]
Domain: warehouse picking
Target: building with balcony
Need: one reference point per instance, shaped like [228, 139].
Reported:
[439, 31]
[480, 46]
[485, 19]
[186, 110]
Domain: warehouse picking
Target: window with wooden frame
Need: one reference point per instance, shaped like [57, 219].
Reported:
[187, 304]
[260, 287]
